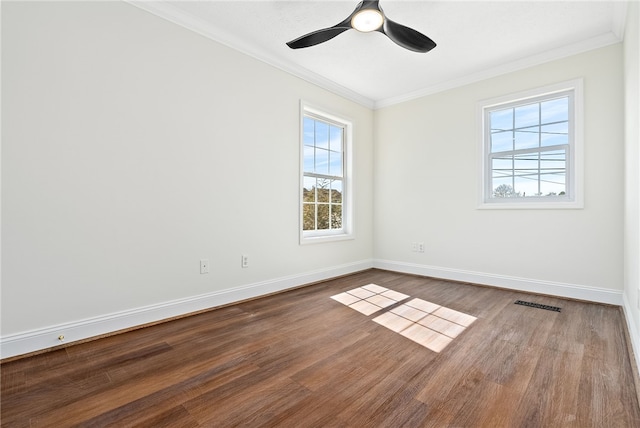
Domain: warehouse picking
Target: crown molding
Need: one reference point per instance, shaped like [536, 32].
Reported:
[619, 18]
[177, 16]
[551, 55]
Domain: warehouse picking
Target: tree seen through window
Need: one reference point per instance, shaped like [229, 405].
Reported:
[322, 194]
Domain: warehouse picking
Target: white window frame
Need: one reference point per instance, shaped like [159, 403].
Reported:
[346, 232]
[575, 156]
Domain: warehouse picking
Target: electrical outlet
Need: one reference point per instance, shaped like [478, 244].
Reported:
[417, 247]
[204, 266]
[245, 261]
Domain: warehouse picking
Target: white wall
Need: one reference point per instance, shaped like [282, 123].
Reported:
[632, 174]
[426, 181]
[131, 149]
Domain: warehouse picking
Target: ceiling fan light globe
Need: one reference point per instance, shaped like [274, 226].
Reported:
[367, 20]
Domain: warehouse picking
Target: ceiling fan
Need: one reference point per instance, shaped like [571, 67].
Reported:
[368, 16]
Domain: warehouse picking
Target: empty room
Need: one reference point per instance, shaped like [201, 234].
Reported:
[320, 213]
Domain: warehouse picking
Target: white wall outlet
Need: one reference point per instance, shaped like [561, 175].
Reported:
[204, 266]
[421, 247]
[245, 261]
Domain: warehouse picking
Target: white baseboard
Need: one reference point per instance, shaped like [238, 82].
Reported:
[593, 294]
[45, 338]
[633, 330]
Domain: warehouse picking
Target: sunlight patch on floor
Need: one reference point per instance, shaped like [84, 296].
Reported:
[426, 323]
[369, 298]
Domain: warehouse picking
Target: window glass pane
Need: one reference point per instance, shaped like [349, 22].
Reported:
[322, 161]
[501, 141]
[526, 165]
[308, 131]
[501, 120]
[324, 144]
[335, 163]
[525, 186]
[502, 188]
[309, 190]
[554, 159]
[529, 148]
[335, 139]
[308, 216]
[336, 216]
[336, 191]
[502, 167]
[527, 115]
[322, 189]
[553, 184]
[553, 166]
[526, 174]
[323, 216]
[555, 134]
[527, 138]
[309, 159]
[322, 134]
[555, 110]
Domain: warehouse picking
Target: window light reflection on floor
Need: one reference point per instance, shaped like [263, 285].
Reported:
[428, 324]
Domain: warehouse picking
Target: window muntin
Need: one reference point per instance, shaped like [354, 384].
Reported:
[530, 147]
[324, 205]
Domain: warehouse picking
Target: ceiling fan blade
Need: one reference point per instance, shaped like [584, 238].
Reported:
[316, 37]
[320, 36]
[407, 37]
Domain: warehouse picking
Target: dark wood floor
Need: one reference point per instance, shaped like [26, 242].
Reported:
[301, 359]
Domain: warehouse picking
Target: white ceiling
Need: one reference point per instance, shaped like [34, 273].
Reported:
[476, 39]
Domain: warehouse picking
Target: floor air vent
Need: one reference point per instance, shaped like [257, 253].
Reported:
[538, 305]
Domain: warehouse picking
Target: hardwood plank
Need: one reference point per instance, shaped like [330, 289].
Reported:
[301, 358]
[557, 404]
[149, 417]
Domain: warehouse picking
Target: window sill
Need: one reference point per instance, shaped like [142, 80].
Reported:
[531, 205]
[318, 239]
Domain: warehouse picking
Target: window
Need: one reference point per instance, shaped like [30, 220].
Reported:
[532, 149]
[325, 190]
